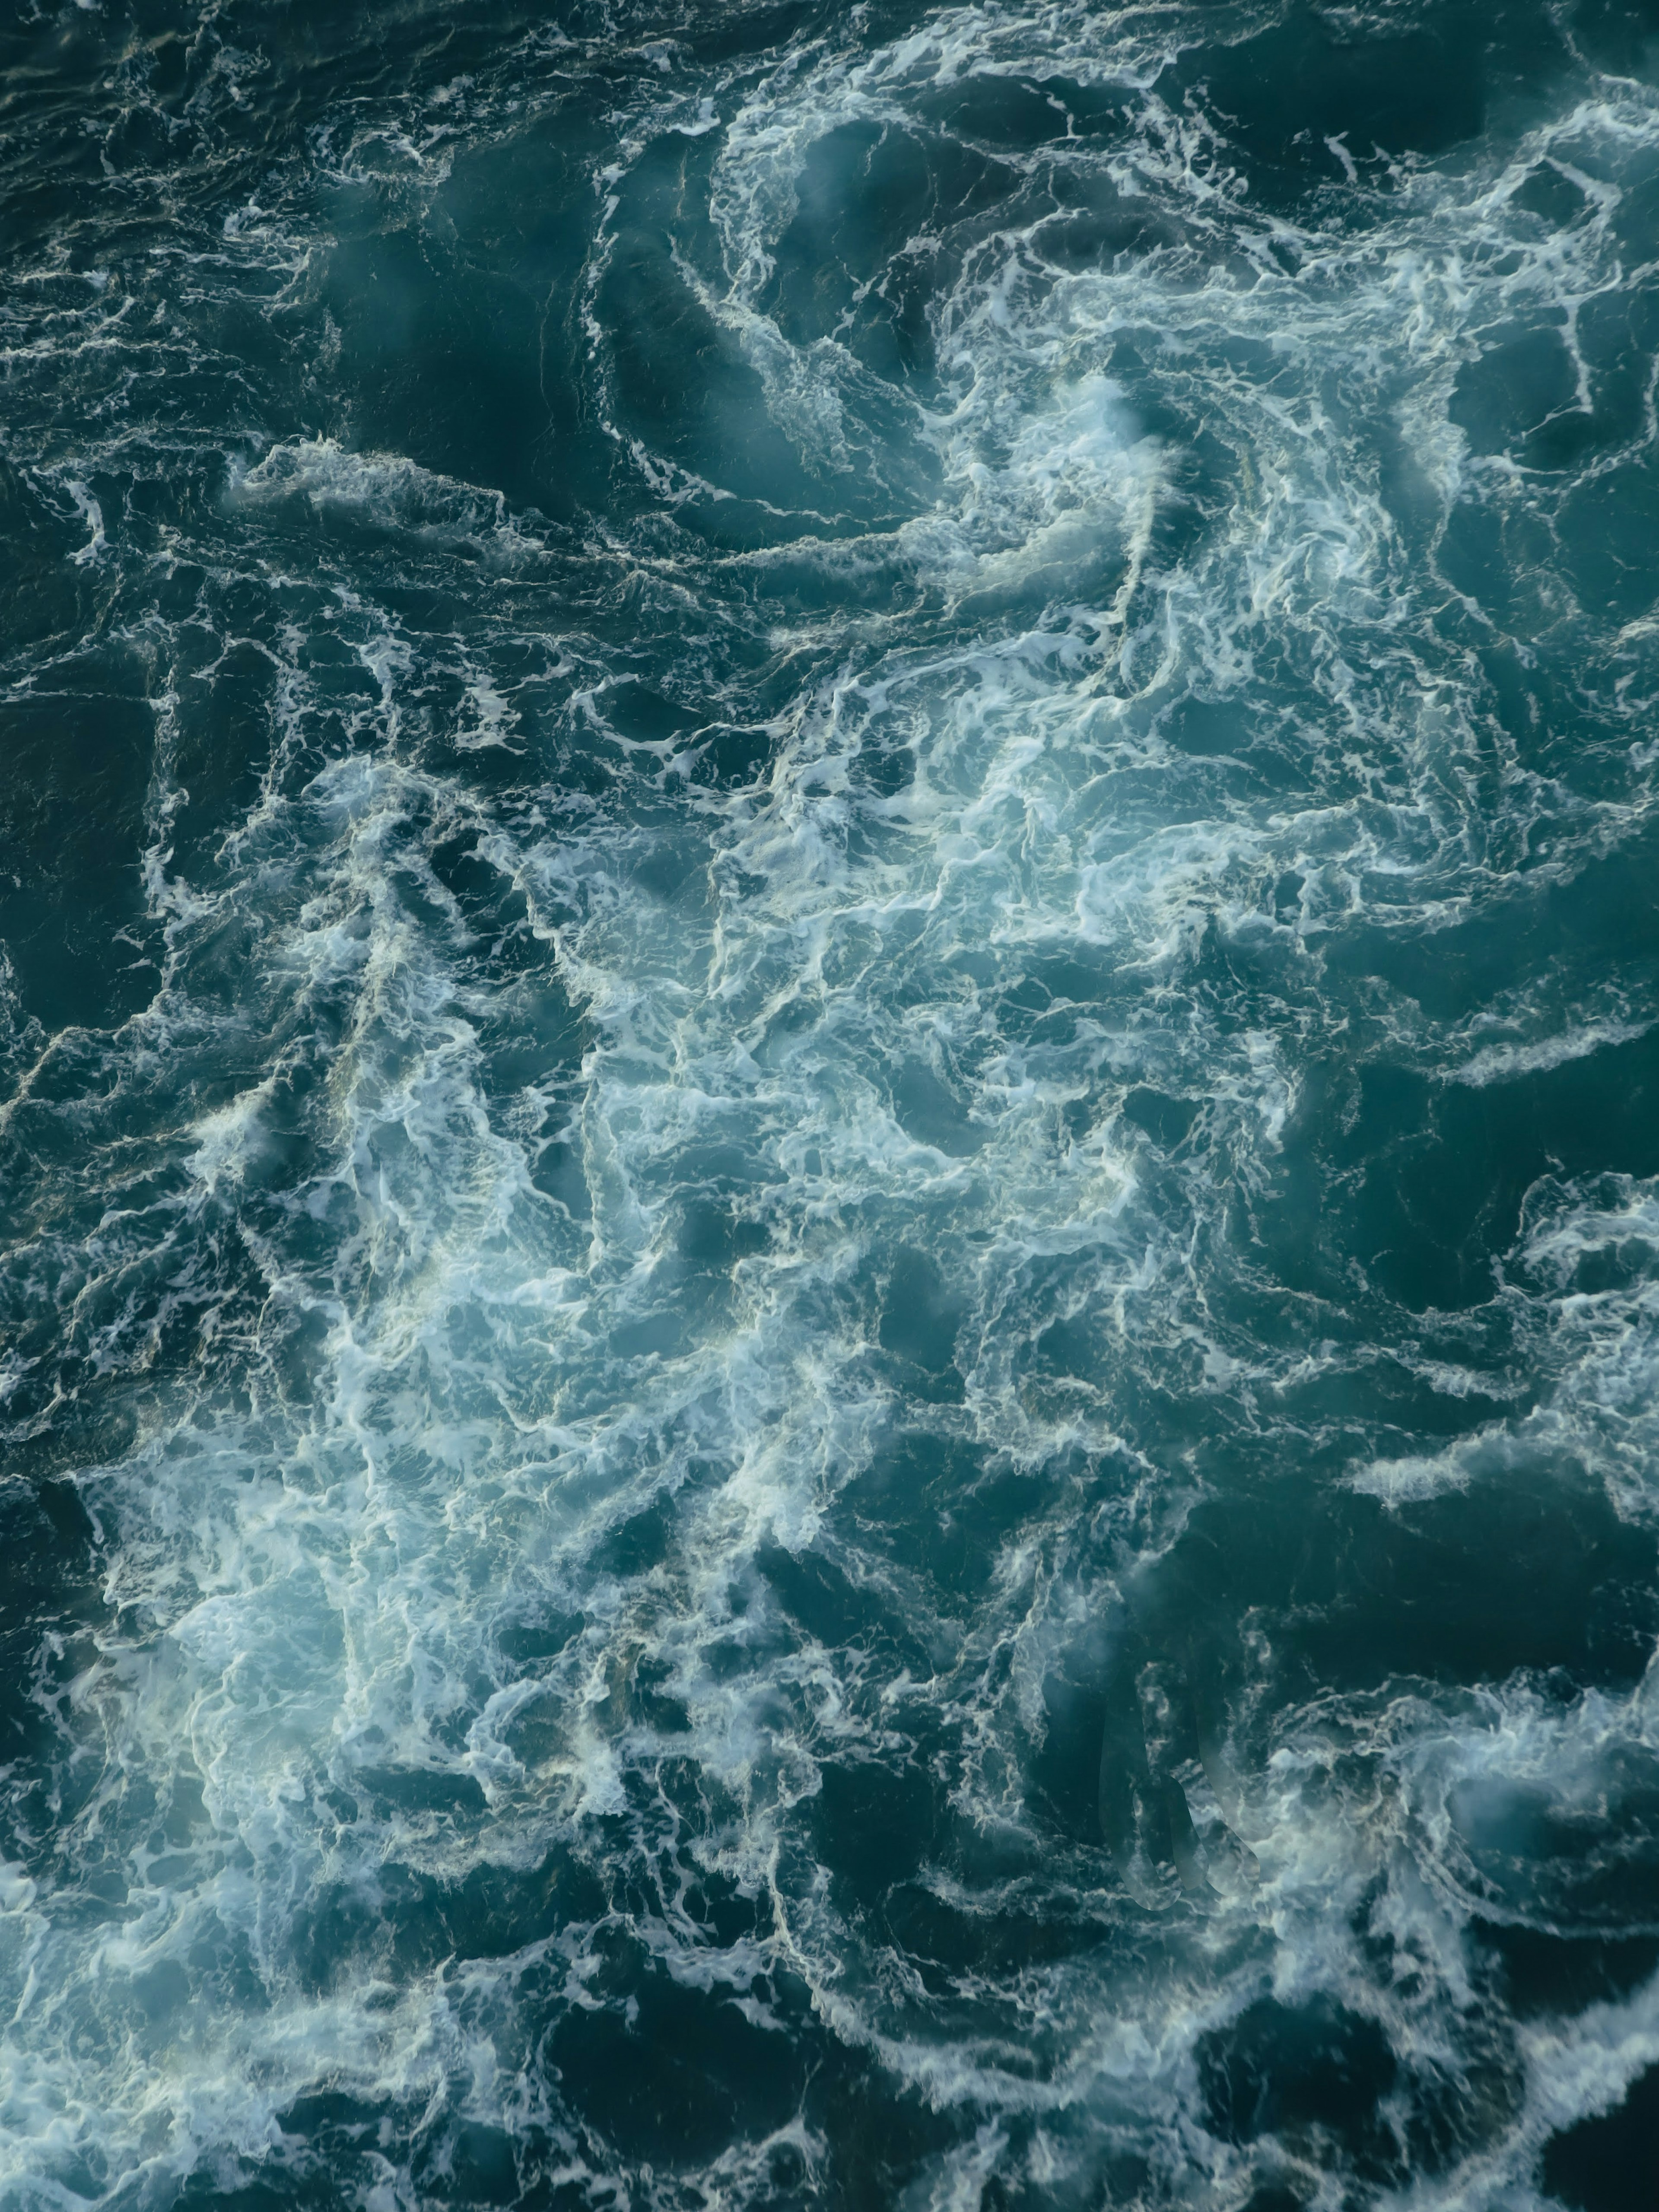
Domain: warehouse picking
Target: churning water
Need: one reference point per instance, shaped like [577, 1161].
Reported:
[829, 1086]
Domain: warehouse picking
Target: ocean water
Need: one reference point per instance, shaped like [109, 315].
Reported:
[829, 1105]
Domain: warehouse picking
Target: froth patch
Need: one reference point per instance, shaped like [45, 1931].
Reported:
[384, 491]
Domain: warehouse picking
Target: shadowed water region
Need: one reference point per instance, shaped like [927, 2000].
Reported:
[829, 1105]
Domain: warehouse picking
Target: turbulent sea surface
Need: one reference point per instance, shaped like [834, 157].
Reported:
[829, 1105]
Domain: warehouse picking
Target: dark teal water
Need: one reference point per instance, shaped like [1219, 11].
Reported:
[829, 1101]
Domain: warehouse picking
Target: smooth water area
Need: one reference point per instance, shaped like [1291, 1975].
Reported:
[829, 1105]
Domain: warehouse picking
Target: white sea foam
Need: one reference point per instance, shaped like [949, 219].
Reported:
[456, 1391]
